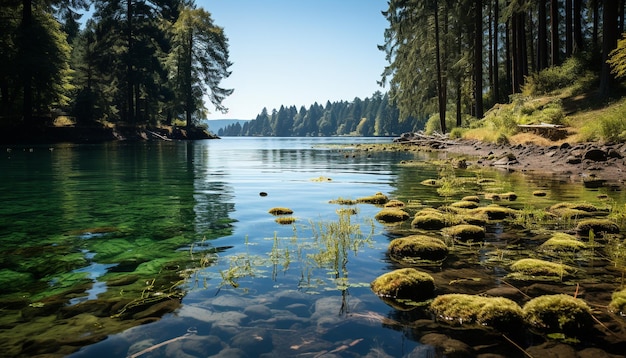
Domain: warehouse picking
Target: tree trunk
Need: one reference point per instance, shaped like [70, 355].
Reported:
[596, 25]
[129, 63]
[496, 77]
[554, 28]
[509, 61]
[442, 112]
[568, 29]
[578, 27]
[27, 75]
[478, 58]
[609, 43]
[542, 36]
[189, 107]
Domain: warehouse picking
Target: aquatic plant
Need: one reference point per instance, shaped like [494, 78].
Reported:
[406, 283]
[536, 269]
[343, 201]
[418, 249]
[377, 199]
[497, 312]
[558, 314]
[392, 215]
[465, 232]
[280, 211]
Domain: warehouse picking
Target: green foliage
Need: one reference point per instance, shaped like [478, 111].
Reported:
[617, 58]
[555, 78]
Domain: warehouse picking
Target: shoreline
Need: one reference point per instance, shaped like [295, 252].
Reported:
[592, 164]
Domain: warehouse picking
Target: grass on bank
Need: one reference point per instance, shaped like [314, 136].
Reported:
[562, 95]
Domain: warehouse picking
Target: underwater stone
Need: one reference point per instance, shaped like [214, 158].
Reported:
[406, 283]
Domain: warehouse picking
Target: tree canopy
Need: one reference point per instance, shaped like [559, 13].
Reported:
[135, 61]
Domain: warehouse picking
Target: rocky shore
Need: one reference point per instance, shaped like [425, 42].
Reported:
[593, 164]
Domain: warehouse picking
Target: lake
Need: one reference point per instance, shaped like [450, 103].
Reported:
[162, 249]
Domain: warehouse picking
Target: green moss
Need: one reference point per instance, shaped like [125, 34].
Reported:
[473, 198]
[377, 199]
[464, 204]
[392, 215]
[285, 220]
[430, 182]
[558, 313]
[416, 248]
[280, 211]
[573, 210]
[599, 227]
[618, 302]
[395, 204]
[465, 232]
[510, 196]
[342, 201]
[525, 269]
[539, 193]
[498, 312]
[562, 242]
[429, 219]
[495, 212]
[406, 283]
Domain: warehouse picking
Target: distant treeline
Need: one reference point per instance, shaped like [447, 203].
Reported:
[372, 116]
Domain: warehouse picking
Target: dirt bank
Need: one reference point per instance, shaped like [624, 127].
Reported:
[593, 164]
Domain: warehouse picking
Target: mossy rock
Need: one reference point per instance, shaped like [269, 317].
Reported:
[495, 212]
[342, 201]
[285, 220]
[558, 314]
[465, 232]
[535, 269]
[392, 215]
[430, 182]
[599, 227]
[510, 196]
[473, 198]
[280, 211]
[540, 193]
[574, 210]
[464, 204]
[406, 283]
[377, 199]
[618, 302]
[417, 248]
[497, 312]
[429, 219]
[562, 242]
[394, 203]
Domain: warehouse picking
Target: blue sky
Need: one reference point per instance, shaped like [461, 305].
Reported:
[297, 52]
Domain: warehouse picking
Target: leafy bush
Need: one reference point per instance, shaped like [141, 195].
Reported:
[555, 77]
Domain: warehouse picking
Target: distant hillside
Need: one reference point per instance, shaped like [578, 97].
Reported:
[216, 124]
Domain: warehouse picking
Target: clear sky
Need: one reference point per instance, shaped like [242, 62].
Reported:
[297, 52]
